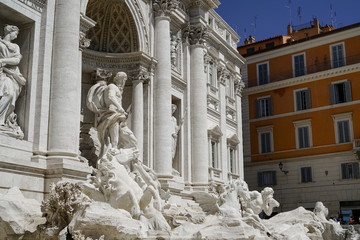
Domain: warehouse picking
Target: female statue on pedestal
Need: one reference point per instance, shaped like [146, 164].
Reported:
[11, 81]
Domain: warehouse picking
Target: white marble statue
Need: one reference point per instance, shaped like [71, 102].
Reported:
[121, 179]
[105, 100]
[174, 46]
[11, 82]
[175, 128]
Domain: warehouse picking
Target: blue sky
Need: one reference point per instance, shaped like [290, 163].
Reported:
[273, 16]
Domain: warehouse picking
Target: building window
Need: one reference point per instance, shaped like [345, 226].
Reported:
[263, 73]
[299, 65]
[265, 138]
[343, 131]
[214, 153]
[303, 133]
[337, 53]
[211, 75]
[340, 92]
[350, 170]
[267, 178]
[263, 107]
[270, 45]
[302, 99]
[230, 86]
[250, 50]
[232, 159]
[343, 127]
[306, 174]
[303, 137]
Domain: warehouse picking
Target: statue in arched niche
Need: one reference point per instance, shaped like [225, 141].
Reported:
[11, 82]
[174, 46]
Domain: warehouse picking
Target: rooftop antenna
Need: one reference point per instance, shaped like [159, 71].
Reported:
[332, 16]
[254, 25]
[245, 36]
[299, 14]
[289, 7]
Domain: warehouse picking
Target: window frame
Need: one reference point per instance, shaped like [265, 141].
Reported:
[261, 182]
[216, 155]
[343, 117]
[355, 170]
[213, 73]
[300, 124]
[262, 130]
[331, 53]
[268, 72]
[232, 162]
[293, 63]
[230, 87]
[333, 91]
[295, 99]
[306, 178]
[257, 110]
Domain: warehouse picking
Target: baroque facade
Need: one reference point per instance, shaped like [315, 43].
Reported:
[301, 117]
[182, 97]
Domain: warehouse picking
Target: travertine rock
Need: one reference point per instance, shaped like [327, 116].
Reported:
[18, 214]
[296, 224]
[217, 227]
[100, 219]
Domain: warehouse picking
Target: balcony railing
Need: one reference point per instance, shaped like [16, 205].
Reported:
[317, 65]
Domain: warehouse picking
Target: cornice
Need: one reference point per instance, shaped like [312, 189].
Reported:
[208, 4]
[303, 79]
[117, 61]
[299, 47]
[37, 5]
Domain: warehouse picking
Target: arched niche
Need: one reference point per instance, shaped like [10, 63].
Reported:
[115, 30]
[120, 26]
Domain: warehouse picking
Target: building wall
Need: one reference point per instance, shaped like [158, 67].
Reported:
[325, 155]
[317, 59]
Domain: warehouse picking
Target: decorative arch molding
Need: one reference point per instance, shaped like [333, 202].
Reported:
[129, 34]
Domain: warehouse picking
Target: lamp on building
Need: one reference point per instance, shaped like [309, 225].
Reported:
[281, 165]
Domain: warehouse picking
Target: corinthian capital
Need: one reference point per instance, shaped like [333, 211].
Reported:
[139, 75]
[195, 34]
[164, 7]
[240, 85]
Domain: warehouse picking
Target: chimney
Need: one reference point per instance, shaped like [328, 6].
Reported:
[289, 30]
[317, 25]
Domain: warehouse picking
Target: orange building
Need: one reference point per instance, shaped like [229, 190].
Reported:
[301, 117]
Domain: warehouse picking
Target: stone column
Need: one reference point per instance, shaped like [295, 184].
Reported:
[137, 124]
[162, 88]
[65, 94]
[198, 104]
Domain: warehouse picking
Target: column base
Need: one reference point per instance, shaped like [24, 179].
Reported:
[174, 184]
[63, 168]
[200, 187]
